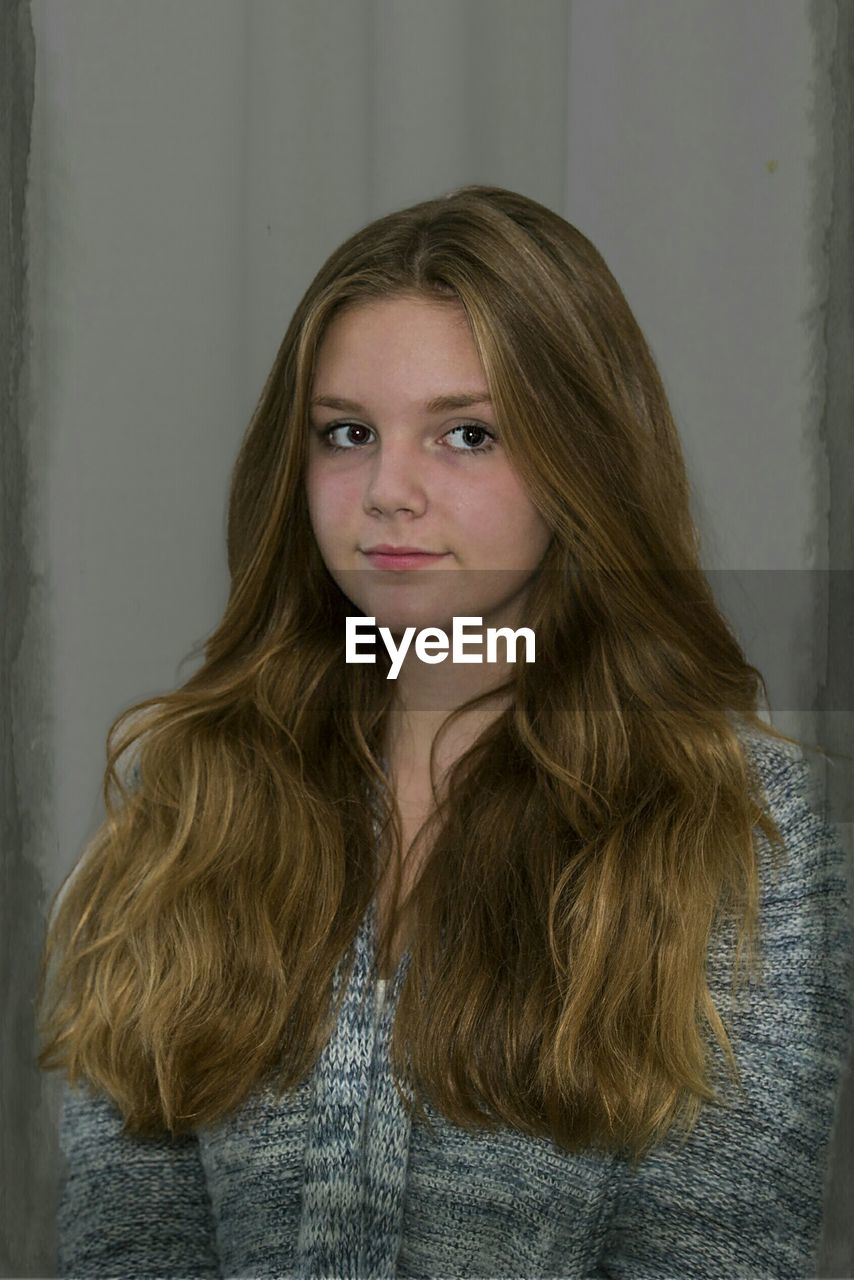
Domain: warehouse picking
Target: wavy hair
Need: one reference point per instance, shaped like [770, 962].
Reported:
[560, 924]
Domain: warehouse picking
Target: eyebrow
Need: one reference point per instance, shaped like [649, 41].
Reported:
[439, 404]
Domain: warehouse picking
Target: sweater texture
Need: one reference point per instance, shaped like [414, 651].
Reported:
[334, 1181]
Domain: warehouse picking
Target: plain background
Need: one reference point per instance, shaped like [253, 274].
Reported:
[174, 173]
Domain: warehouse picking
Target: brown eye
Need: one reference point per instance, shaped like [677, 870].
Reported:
[326, 435]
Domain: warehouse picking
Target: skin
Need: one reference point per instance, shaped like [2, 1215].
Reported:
[406, 477]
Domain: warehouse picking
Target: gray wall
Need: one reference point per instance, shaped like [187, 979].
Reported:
[190, 165]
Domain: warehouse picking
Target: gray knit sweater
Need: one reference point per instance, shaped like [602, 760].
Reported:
[333, 1181]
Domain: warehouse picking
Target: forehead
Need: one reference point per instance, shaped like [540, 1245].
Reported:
[409, 348]
[382, 331]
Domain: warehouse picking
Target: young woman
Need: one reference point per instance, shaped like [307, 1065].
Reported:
[613, 930]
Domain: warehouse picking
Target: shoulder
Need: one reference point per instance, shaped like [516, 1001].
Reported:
[804, 896]
[790, 784]
[782, 766]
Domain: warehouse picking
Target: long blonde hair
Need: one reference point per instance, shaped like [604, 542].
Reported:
[560, 924]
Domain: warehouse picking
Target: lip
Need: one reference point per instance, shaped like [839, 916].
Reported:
[388, 549]
[383, 558]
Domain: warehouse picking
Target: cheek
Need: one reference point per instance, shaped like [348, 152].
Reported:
[335, 509]
[325, 499]
[515, 528]
[511, 515]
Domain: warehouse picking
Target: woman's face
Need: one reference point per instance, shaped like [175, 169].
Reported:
[408, 474]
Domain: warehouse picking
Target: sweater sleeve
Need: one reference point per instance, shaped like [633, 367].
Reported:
[129, 1206]
[743, 1195]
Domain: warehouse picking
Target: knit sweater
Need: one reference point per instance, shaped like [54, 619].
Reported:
[334, 1180]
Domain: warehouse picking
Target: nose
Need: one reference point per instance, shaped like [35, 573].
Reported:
[395, 477]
